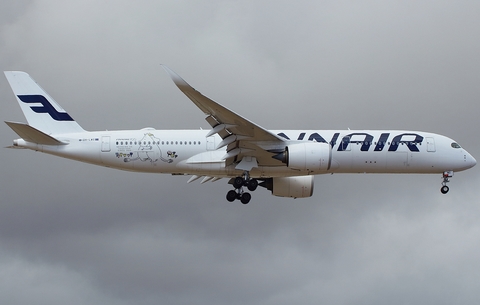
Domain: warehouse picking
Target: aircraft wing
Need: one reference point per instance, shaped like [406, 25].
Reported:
[241, 136]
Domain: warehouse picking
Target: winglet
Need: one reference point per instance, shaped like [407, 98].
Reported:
[180, 82]
[188, 90]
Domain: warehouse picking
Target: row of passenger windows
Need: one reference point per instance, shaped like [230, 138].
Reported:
[198, 143]
[386, 143]
[158, 143]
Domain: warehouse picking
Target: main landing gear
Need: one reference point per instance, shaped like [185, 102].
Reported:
[446, 178]
[238, 183]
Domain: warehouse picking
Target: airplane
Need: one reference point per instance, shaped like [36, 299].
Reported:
[282, 161]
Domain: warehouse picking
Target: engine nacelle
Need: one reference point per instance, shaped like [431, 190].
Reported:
[295, 187]
[314, 157]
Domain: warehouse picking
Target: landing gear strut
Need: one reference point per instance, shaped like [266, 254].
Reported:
[446, 178]
[238, 183]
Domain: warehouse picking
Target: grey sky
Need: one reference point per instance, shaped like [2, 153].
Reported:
[75, 233]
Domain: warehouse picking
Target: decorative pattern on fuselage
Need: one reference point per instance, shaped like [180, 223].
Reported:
[145, 149]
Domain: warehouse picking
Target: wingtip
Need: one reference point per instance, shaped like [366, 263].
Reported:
[180, 82]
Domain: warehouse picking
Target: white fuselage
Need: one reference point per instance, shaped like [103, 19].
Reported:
[191, 152]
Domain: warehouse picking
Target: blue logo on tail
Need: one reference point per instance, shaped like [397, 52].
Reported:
[45, 108]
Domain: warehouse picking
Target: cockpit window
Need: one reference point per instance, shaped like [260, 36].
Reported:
[455, 145]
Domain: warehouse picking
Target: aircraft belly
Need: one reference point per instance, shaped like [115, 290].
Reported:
[259, 173]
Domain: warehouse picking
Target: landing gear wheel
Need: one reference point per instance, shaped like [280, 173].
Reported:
[446, 178]
[444, 189]
[238, 182]
[231, 195]
[245, 198]
[252, 185]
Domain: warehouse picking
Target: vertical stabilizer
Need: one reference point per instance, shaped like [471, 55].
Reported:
[39, 108]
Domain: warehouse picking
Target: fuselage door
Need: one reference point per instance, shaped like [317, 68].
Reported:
[105, 143]
[430, 144]
[211, 143]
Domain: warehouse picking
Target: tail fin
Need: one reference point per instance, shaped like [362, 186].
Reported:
[40, 109]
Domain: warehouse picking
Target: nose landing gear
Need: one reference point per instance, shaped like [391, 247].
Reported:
[238, 183]
[446, 178]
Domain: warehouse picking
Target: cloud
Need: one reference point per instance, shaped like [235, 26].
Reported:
[76, 232]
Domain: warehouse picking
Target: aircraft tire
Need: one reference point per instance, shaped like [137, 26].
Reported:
[238, 182]
[231, 195]
[252, 185]
[444, 189]
[245, 198]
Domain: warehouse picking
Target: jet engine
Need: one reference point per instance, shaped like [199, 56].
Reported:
[314, 157]
[294, 187]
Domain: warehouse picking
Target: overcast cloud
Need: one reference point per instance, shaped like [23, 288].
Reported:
[73, 233]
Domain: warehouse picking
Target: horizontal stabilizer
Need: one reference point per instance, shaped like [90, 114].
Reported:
[15, 147]
[33, 135]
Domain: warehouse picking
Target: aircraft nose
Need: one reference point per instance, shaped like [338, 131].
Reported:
[470, 160]
[473, 162]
